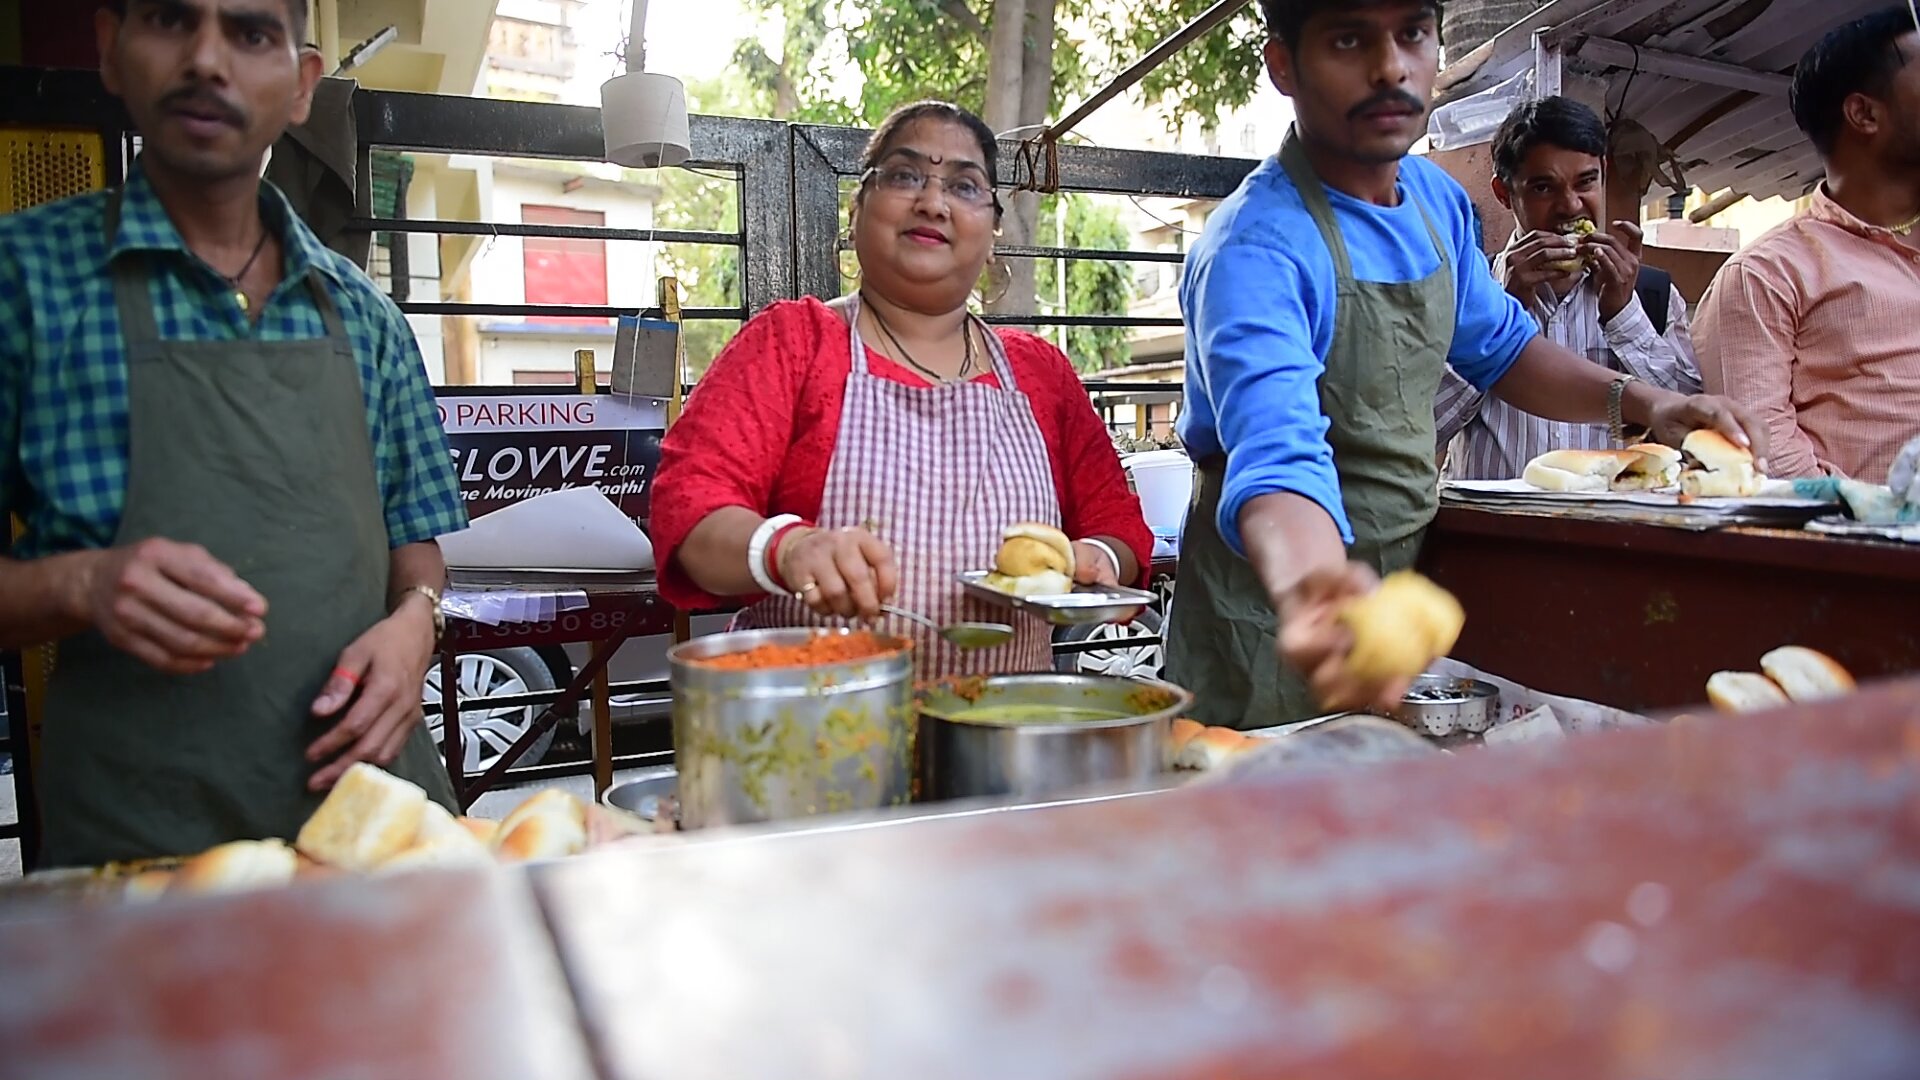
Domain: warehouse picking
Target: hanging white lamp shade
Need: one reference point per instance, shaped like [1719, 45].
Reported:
[643, 114]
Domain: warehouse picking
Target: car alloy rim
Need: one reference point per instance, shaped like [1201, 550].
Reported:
[1131, 662]
[485, 733]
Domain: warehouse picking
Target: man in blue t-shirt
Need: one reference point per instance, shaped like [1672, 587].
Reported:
[1322, 303]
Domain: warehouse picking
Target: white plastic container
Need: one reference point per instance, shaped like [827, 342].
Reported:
[1164, 481]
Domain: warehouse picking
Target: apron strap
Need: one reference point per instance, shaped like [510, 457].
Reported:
[849, 306]
[996, 355]
[329, 311]
[1293, 157]
[131, 293]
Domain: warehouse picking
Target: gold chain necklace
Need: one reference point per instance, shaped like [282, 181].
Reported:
[1907, 226]
[934, 377]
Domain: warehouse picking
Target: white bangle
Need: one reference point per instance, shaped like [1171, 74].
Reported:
[757, 551]
[1106, 549]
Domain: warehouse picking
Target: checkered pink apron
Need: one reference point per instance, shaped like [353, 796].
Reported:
[937, 472]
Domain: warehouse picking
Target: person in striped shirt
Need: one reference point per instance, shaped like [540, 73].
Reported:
[1549, 169]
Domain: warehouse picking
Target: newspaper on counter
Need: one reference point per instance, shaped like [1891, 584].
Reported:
[1571, 715]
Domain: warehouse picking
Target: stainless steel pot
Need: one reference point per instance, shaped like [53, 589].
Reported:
[778, 743]
[963, 758]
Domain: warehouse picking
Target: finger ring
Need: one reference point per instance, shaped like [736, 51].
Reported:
[350, 676]
[811, 586]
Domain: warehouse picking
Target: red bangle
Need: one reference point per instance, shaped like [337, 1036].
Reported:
[773, 551]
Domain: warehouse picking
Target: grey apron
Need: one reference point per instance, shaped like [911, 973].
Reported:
[1383, 368]
[259, 452]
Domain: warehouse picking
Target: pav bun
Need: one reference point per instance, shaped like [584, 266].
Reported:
[1032, 548]
[1743, 692]
[1807, 675]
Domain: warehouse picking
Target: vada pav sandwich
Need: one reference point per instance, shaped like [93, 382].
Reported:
[1722, 469]
[1034, 560]
[1641, 467]
[1578, 470]
[1654, 467]
[1576, 230]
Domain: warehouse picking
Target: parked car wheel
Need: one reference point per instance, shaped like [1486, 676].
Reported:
[1122, 659]
[485, 733]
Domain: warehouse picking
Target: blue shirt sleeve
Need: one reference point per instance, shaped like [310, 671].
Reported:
[1491, 325]
[1249, 313]
[418, 482]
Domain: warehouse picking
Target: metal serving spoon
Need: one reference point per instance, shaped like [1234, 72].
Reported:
[965, 635]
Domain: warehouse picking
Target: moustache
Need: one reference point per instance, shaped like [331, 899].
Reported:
[199, 100]
[1386, 98]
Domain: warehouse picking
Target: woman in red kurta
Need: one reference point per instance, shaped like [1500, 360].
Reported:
[842, 455]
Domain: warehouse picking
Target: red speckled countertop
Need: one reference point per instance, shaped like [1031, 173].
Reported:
[1731, 899]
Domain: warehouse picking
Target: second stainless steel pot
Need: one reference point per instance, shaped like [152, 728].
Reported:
[962, 758]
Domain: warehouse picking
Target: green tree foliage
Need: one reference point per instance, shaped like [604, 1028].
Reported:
[709, 274]
[1092, 288]
[1207, 79]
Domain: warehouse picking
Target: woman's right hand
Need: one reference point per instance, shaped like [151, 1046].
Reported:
[844, 572]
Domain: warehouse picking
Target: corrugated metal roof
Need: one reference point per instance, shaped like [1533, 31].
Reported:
[1744, 139]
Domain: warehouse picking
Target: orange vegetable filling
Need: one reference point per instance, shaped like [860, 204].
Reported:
[821, 650]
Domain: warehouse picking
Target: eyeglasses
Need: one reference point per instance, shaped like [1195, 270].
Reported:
[909, 182]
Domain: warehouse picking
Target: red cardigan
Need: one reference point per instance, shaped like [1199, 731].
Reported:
[760, 428]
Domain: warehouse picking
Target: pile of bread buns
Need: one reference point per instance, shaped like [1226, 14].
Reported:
[1792, 674]
[1707, 465]
[1402, 627]
[1195, 747]
[373, 822]
[1640, 467]
[1034, 560]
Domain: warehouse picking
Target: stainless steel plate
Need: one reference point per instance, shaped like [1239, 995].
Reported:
[641, 795]
[1085, 604]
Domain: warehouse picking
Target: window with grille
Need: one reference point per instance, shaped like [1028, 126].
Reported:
[560, 270]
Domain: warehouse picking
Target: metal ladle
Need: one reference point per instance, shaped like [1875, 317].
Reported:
[965, 635]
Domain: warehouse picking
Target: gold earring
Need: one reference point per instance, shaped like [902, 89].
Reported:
[997, 273]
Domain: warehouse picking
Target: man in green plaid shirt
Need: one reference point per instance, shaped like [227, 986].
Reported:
[226, 457]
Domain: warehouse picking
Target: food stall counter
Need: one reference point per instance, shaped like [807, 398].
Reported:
[1638, 616]
[1720, 897]
[1649, 903]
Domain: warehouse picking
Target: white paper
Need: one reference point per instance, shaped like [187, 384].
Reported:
[1574, 715]
[570, 529]
[1538, 724]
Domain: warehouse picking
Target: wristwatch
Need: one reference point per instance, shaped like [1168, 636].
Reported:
[1616, 420]
[433, 597]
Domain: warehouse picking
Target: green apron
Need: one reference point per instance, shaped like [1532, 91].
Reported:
[259, 452]
[1383, 368]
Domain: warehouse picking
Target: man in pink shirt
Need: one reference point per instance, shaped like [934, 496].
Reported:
[1816, 325]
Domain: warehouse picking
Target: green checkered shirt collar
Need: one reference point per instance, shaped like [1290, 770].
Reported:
[145, 226]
